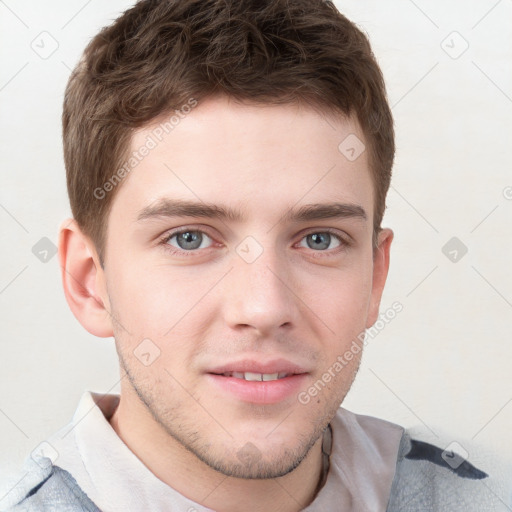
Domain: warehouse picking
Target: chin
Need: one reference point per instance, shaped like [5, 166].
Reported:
[249, 463]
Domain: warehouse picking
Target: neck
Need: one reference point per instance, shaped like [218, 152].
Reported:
[169, 461]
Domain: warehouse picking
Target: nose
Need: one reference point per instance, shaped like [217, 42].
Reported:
[259, 295]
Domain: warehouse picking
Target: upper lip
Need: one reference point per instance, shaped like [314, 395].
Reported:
[253, 366]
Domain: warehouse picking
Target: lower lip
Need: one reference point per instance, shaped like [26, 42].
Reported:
[260, 392]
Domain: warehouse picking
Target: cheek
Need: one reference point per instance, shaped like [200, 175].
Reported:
[339, 297]
[161, 303]
[138, 299]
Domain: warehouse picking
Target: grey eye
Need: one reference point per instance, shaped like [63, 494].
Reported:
[320, 241]
[189, 240]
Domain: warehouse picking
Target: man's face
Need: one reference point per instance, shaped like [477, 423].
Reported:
[203, 303]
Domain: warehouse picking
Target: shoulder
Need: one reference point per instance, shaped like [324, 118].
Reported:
[431, 478]
[42, 486]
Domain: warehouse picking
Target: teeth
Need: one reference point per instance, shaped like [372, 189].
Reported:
[256, 376]
[253, 376]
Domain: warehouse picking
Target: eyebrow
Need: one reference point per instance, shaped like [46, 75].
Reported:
[178, 208]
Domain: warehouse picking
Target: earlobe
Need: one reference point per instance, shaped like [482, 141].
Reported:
[83, 280]
[380, 273]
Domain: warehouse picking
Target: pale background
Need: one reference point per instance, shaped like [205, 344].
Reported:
[442, 365]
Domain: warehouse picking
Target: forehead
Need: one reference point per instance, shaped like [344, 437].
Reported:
[257, 157]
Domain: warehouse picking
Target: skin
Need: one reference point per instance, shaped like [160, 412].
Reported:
[208, 306]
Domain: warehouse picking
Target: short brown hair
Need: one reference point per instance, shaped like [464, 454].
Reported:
[161, 53]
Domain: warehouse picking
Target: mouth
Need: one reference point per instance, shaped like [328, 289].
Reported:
[255, 377]
[259, 383]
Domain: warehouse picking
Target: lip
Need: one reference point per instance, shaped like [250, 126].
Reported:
[259, 392]
[250, 365]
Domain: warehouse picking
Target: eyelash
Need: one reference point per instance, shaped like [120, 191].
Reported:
[344, 243]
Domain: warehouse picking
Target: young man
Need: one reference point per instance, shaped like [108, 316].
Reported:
[227, 167]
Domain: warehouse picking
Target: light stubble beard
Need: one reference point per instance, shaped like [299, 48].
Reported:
[246, 461]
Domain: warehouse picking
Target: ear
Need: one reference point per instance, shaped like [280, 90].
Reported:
[83, 280]
[380, 273]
